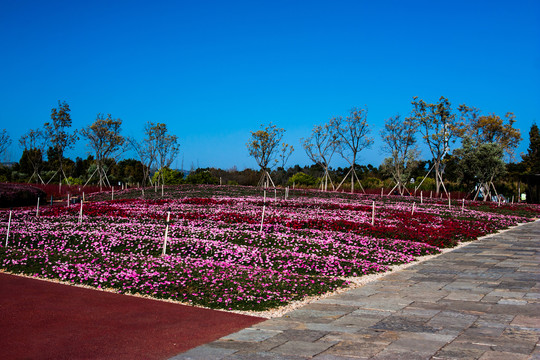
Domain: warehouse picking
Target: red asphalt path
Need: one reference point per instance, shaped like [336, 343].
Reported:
[46, 320]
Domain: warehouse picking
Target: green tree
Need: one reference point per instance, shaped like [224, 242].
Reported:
[129, 171]
[5, 141]
[264, 146]
[483, 163]
[105, 140]
[352, 132]
[531, 160]
[32, 143]
[58, 136]
[491, 129]
[320, 147]
[399, 142]
[165, 144]
[439, 128]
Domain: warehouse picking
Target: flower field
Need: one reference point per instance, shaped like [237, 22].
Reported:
[217, 256]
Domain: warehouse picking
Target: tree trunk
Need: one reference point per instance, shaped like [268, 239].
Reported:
[437, 177]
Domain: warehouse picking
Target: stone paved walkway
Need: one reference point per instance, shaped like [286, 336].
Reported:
[481, 301]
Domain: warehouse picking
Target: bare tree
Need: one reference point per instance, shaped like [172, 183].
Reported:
[105, 140]
[264, 146]
[399, 143]
[165, 144]
[146, 150]
[320, 147]
[285, 153]
[439, 128]
[33, 145]
[58, 136]
[5, 141]
[353, 137]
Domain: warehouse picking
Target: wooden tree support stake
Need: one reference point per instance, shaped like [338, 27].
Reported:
[166, 232]
[8, 226]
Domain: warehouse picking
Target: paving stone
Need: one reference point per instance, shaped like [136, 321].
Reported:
[464, 296]
[471, 307]
[251, 335]
[531, 309]
[336, 357]
[499, 355]
[476, 330]
[279, 324]
[330, 307]
[329, 327]
[401, 323]
[204, 352]
[418, 312]
[512, 302]
[507, 294]
[372, 312]
[262, 356]
[355, 349]
[521, 333]
[302, 348]
[303, 335]
[361, 321]
[315, 315]
[369, 336]
[527, 321]
[458, 353]
[512, 345]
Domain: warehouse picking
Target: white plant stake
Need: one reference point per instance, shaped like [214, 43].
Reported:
[262, 218]
[413, 205]
[264, 207]
[166, 232]
[80, 212]
[373, 214]
[112, 193]
[462, 204]
[37, 207]
[382, 192]
[421, 199]
[8, 226]
[449, 200]
[275, 194]
[68, 201]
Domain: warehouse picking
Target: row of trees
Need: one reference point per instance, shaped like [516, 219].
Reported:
[104, 137]
[485, 141]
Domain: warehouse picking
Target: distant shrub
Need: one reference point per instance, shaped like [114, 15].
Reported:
[19, 195]
[372, 183]
[73, 181]
[428, 184]
[302, 179]
[202, 176]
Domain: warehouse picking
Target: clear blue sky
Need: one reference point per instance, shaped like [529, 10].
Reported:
[214, 70]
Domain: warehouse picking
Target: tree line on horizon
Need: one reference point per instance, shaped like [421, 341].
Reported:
[486, 142]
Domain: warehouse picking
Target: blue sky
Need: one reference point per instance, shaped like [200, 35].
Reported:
[215, 70]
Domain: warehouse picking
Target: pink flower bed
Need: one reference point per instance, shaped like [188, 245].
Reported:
[218, 257]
